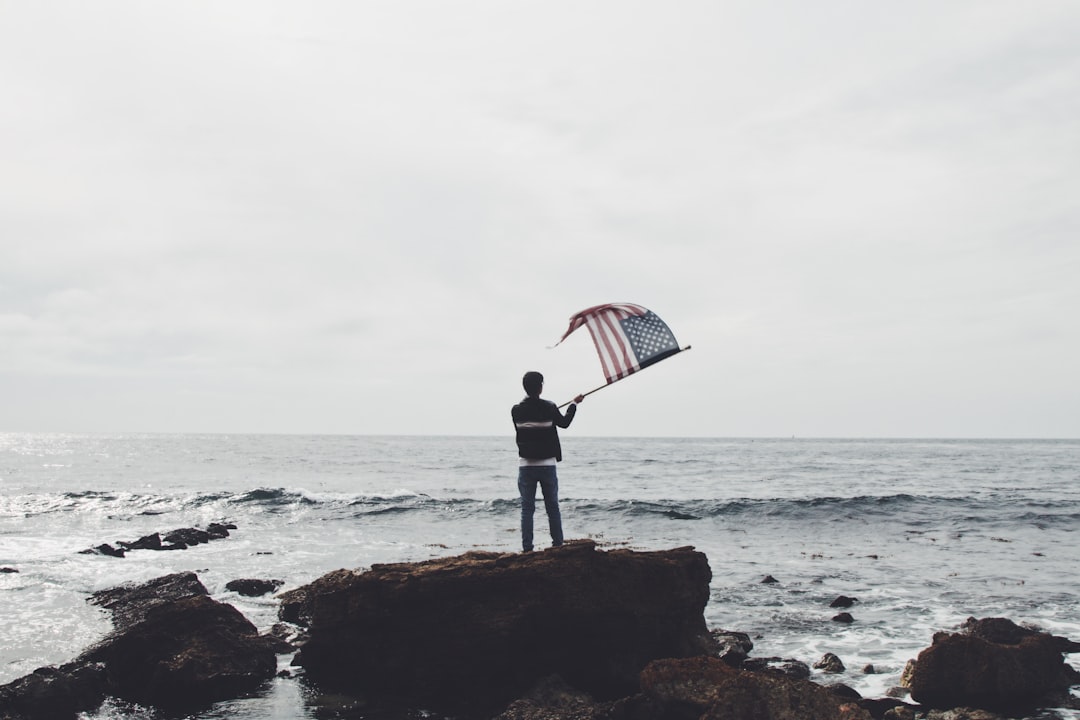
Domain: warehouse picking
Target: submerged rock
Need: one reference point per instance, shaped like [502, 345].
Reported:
[993, 664]
[473, 632]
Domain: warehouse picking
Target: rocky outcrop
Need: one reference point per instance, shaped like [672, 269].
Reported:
[708, 689]
[179, 539]
[473, 632]
[172, 645]
[992, 664]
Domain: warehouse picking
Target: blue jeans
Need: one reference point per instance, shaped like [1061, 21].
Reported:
[528, 478]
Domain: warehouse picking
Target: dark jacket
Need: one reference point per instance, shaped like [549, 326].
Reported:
[536, 423]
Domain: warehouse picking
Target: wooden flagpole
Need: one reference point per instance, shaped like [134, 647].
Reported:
[624, 377]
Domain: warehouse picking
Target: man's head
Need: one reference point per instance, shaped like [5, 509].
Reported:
[533, 382]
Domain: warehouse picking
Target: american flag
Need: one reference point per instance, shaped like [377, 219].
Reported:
[627, 337]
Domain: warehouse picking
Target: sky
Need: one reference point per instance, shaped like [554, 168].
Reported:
[271, 216]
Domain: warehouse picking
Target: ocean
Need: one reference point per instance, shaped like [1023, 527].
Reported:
[923, 533]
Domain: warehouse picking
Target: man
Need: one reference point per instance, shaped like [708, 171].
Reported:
[536, 424]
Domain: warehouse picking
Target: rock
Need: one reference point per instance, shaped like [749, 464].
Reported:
[217, 531]
[147, 542]
[830, 663]
[553, 699]
[731, 647]
[843, 601]
[190, 651]
[129, 604]
[843, 618]
[180, 539]
[900, 712]
[171, 646]
[51, 693]
[962, 714]
[844, 691]
[475, 631]
[187, 536]
[778, 666]
[6, 570]
[769, 580]
[252, 587]
[709, 689]
[869, 669]
[993, 665]
[105, 549]
[888, 708]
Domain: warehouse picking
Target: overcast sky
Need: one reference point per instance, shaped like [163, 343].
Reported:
[373, 217]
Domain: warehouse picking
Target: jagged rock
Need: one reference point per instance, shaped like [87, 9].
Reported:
[187, 536]
[147, 542]
[103, 549]
[249, 587]
[731, 647]
[993, 665]
[843, 618]
[795, 669]
[900, 712]
[217, 531]
[963, 714]
[709, 689]
[830, 663]
[889, 708]
[51, 693]
[769, 580]
[843, 601]
[180, 539]
[477, 630]
[172, 645]
[553, 699]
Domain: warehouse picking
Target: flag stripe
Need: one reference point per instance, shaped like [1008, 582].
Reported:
[649, 340]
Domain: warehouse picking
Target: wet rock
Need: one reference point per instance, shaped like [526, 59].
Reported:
[553, 699]
[475, 631]
[51, 693]
[844, 691]
[993, 664]
[963, 714]
[180, 539]
[900, 712]
[890, 708]
[253, 587]
[769, 580]
[171, 646]
[778, 666]
[843, 618]
[104, 549]
[830, 663]
[843, 601]
[731, 647]
[6, 570]
[187, 536]
[709, 689]
[147, 542]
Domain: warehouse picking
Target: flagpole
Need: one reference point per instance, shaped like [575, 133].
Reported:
[623, 377]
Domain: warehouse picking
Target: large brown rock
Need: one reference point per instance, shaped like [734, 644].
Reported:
[472, 632]
[709, 689]
[992, 664]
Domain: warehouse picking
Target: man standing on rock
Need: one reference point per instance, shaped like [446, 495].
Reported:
[536, 424]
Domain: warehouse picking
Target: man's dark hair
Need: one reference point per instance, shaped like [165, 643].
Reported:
[533, 382]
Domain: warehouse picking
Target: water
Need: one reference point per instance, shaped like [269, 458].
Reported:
[925, 533]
